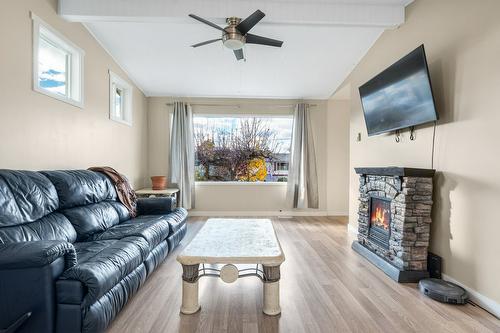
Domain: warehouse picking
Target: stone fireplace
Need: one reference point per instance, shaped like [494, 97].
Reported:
[394, 217]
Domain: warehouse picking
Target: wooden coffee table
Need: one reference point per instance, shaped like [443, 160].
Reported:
[231, 242]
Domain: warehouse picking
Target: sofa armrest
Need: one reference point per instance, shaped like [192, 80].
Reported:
[36, 254]
[29, 289]
[155, 206]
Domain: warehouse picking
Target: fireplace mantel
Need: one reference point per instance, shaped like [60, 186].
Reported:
[396, 171]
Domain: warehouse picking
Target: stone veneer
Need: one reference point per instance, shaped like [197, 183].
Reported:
[411, 207]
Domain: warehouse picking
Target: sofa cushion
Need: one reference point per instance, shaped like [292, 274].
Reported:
[122, 211]
[156, 256]
[102, 264]
[174, 239]
[176, 219]
[100, 314]
[25, 196]
[54, 226]
[93, 218]
[154, 229]
[81, 187]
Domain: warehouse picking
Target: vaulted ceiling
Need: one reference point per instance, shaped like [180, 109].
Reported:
[323, 41]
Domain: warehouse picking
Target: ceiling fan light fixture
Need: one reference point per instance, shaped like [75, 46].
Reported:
[232, 39]
[233, 44]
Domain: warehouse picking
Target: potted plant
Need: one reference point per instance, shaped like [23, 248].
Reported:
[159, 182]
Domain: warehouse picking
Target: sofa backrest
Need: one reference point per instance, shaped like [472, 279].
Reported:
[54, 226]
[80, 187]
[28, 209]
[88, 200]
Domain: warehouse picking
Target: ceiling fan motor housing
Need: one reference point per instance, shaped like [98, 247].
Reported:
[231, 37]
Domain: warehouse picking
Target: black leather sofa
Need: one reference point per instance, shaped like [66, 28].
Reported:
[70, 253]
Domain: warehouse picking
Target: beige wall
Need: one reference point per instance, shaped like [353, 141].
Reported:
[39, 132]
[246, 197]
[462, 45]
[337, 149]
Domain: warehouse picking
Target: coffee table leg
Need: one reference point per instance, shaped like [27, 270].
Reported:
[190, 303]
[271, 290]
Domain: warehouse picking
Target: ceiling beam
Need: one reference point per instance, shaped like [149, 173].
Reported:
[313, 12]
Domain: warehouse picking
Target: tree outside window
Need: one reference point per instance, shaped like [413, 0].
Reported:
[242, 149]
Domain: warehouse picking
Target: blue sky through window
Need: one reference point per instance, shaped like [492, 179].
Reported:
[280, 126]
[52, 68]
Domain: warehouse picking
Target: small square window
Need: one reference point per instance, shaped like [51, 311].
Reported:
[120, 99]
[57, 64]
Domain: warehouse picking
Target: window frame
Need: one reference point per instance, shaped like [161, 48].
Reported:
[238, 115]
[116, 82]
[74, 67]
[236, 183]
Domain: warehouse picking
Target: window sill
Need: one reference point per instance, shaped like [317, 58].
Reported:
[121, 121]
[61, 98]
[212, 183]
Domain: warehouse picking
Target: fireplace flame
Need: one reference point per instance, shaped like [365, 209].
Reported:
[379, 217]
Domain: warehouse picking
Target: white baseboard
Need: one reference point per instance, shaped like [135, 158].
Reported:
[486, 303]
[256, 213]
[336, 213]
[352, 229]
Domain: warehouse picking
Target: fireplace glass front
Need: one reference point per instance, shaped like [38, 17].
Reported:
[380, 221]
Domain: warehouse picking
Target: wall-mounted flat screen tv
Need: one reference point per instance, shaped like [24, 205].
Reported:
[399, 97]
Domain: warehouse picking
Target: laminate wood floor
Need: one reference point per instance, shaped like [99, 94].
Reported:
[325, 287]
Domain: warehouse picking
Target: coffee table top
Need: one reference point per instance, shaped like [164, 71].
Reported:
[234, 241]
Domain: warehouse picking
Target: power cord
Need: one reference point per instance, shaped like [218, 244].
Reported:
[433, 144]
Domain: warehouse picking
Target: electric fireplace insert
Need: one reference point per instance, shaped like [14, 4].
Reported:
[380, 221]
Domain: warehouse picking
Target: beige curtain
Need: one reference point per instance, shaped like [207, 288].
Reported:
[302, 187]
[181, 170]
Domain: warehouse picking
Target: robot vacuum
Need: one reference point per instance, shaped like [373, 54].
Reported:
[443, 291]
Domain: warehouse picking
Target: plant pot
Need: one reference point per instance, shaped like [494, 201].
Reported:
[159, 182]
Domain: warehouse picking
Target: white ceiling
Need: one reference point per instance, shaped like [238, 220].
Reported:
[154, 47]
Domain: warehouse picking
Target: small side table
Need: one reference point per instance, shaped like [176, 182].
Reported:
[149, 193]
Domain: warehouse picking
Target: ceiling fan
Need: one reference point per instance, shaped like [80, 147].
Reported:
[236, 35]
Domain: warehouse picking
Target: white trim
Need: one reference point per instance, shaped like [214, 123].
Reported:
[234, 183]
[74, 49]
[118, 82]
[352, 229]
[484, 302]
[337, 213]
[344, 13]
[256, 213]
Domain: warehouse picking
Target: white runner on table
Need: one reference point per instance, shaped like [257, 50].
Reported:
[235, 241]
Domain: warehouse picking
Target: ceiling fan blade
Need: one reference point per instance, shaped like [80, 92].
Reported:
[207, 42]
[250, 22]
[254, 39]
[239, 54]
[202, 20]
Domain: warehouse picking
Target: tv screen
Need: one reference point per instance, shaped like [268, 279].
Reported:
[400, 96]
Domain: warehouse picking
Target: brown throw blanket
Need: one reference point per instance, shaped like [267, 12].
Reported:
[125, 192]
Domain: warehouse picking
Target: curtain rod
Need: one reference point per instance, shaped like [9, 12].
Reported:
[243, 105]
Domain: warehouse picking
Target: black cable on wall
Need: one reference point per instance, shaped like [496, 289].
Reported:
[433, 144]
